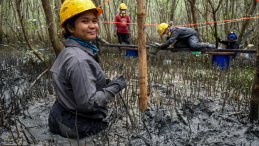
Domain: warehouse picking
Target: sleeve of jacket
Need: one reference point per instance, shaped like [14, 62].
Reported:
[236, 45]
[115, 24]
[224, 42]
[172, 38]
[83, 78]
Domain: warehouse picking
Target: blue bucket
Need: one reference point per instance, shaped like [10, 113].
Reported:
[221, 61]
[132, 53]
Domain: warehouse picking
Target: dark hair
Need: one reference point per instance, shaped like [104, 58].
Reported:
[70, 22]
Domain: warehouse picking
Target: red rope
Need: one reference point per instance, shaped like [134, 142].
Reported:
[104, 3]
[191, 24]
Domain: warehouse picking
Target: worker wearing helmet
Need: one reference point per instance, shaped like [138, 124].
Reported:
[121, 26]
[231, 42]
[186, 37]
[82, 89]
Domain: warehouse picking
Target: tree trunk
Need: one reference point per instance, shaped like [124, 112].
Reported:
[188, 11]
[57, 46]
[226, 17]
[172, 11]
[208, 20]
[106, 26]
[246, 21]
[142, 54]
[161, 11]
[1, 21]
[17, 22]
[214, 12]
[57, 10]
[194, 18]
[254, 103]
[216, 31]
[233, 12]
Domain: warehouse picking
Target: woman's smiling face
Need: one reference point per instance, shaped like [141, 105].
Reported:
[86, 26]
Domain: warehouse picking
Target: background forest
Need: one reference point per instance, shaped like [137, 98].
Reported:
[181, 12]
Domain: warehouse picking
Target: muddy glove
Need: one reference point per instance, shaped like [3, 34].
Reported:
[117, 84]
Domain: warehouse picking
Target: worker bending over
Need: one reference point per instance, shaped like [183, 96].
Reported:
[186, 37]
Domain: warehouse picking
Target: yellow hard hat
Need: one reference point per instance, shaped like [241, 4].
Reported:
[71, 8]
[122, 6]
[162, 27]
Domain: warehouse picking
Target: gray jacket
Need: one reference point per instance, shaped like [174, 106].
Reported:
[81, 83]
[179, 34]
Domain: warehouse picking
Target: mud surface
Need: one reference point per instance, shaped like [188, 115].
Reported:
[179, 112]
[199, 123]
[36, 120]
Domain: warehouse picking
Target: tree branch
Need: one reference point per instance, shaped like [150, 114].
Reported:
[39, 77]
[218, 5]
[200, 13]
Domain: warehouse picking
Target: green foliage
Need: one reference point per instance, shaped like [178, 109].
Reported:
[29, 56]
[212, 33]
[30, 24]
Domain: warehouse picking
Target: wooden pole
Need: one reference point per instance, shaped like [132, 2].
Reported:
[142, 54]
[254, 103]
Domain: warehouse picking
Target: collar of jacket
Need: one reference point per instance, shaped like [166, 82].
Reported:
[73, 43]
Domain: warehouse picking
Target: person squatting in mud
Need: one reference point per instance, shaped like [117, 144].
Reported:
[186, 37]
[231, 43]
[82, 89]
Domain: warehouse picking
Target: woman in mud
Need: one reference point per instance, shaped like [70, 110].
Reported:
[80, 83]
